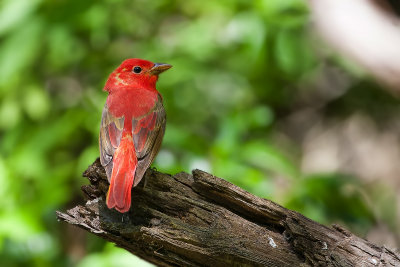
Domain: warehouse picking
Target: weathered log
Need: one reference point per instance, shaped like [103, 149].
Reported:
[201, 220]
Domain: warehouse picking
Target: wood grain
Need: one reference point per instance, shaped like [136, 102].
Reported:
[201, 220]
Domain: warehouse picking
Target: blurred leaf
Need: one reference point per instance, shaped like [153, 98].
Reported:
[9, 114]
[284, 12]
[16, 53]
[14, 12]
[113, 257]
[293, 52]
[262, 156]
[330, 198]
[36, 103]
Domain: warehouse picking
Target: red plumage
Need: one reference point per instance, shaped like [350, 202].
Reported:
[132, 127]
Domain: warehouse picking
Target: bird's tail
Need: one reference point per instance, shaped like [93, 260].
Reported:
[123, 174]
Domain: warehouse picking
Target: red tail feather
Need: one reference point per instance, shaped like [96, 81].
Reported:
[123, 174]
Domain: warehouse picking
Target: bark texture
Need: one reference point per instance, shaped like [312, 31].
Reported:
[201, 220]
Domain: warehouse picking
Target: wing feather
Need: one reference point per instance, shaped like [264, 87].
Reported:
[109, 139]
[148, 133]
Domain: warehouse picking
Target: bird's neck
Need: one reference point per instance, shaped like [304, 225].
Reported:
[118, 80]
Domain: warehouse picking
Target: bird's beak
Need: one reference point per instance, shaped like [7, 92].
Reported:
[159, 67]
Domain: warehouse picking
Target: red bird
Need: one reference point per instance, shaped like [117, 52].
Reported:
[132, 127]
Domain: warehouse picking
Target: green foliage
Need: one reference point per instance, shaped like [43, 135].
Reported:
[332, 198]
[236, 67]
[112, 257]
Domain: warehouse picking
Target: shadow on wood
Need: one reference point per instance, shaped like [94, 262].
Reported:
[202, 220]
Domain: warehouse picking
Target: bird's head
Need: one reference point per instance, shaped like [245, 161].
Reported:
[135, 73]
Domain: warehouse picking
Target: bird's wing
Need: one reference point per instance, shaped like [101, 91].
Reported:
[110, 136]
[148, 132]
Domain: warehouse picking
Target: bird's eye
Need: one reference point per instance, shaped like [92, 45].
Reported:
[137, 69]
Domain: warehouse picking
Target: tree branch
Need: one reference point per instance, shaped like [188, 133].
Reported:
[202, 220]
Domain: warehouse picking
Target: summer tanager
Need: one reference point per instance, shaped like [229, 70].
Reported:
[132, 127]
